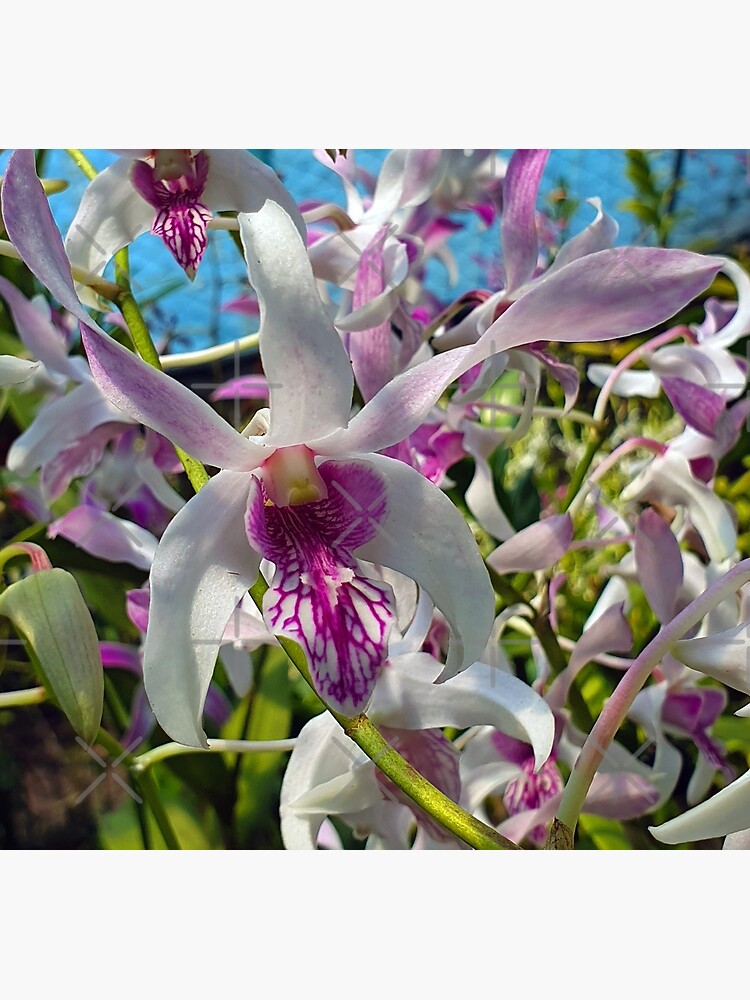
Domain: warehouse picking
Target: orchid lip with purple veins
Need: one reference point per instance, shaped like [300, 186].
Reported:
[181, 217]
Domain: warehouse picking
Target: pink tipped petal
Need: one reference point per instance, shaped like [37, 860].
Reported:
[136, 606]
[407, 697]
[609, 294]
[319, 596]
[106, 536]
[298, 343]
[598, 235]
[621, 795]
[668, 480]
[32, 230]
[116, 654]
[518, 223]
[244, 387]
[78, 459]
[536, 547]
[699, 407]
[40, 337]
[659, 564]
[152, 398]
[371, 351]
[609, 633]
[197, 580]
[425, 537]
[724, 813]
[399, 408]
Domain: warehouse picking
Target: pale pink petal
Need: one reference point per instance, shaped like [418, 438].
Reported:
[518, 222]
[658, 564]
[536, 547]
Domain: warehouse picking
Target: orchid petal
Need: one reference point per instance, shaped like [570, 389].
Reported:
[739, 841]
[658, 564]
[322, 754]
[240, 182]
[518, 223]
[609, 633]
[668, 479]
[14, 371]
[425, 537]
[699, 407]
[407, 697]
[308, 371]
[155, 399]
[721, 655]
[739, 324]
[605, 295]
[726, 812]
[399, 408]
[536, 547]
[627, 383]
[480, 495]
[38, 334]
[197, 580]
[60, 425]
[111, 215]
[598, 235]
[106, 536]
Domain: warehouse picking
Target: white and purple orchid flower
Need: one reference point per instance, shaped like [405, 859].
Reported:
[306, 488]
[327, 776]
[173, 193]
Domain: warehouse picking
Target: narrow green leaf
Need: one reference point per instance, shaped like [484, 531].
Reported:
[47, 609]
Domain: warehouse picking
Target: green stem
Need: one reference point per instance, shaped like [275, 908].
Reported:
[145, 760]
[595, 441]
[83, 163]
[359, 729]
[145, 785]
[29, 696]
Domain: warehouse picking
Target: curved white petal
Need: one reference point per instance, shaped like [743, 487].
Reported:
[628, 383]
[722, 655]
[480, 495]
[726, 812]
[309, 373]
[240, 182]
[739, 324]
[425, 537]
[202, 568]
[598, 235]
[14, 370]
[110, 216]
[406, 697]
[323, 759]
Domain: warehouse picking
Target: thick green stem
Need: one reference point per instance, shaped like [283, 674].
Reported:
[361, 730]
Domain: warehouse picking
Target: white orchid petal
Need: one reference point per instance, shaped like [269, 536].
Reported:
[406, 697]
[309, 373]
[14, 370]
[197, 580]
[425, 537]
[726, 812]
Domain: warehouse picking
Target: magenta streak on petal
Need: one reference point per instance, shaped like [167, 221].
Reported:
[78, 459]
[116, 654]
[531, 790]
[318, 595]
[181, 217]
[436, 759]
[431, 450]
[371, 351]
[518, 222]
[136, 607]
[699, 407]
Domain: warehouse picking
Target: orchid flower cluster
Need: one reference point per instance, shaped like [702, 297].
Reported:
[429, 642]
